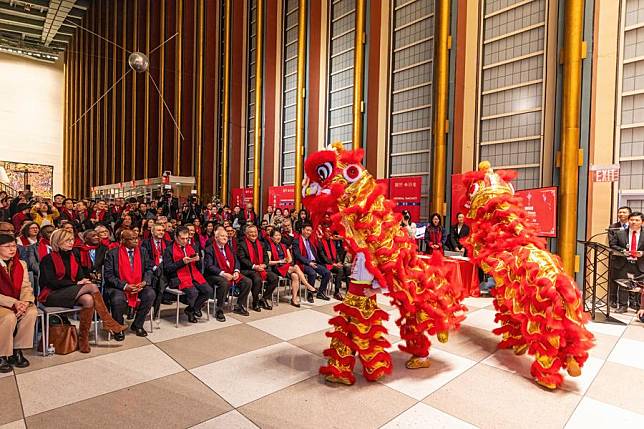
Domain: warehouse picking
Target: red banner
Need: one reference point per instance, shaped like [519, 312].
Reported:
[241, 197]
[282, 197]
[541, 205]
[459, 197]
[405, 192]
[385, 184]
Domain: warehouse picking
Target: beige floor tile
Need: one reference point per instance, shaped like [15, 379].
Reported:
[283, 308]
[104, 347]
[595, 414]
[18, 424]
[326, 309]
[77, 381]
[231, 420]
[603, 345]
[169, 331]
[476, 395]
[175, 401]
[294, 324]
[613, 329]
[628, 352]
[635, 332]
[6, 374]
[613, 386]
[316, 404]
[244, 378]
[481, 302]
[422, 416]
[207, 347]
[469, 342]
[482, 319]
[10, 408]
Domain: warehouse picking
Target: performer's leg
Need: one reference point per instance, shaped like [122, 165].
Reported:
[370, 342]
[340, 364]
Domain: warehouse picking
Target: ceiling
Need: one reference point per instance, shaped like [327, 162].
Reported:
[39, 29]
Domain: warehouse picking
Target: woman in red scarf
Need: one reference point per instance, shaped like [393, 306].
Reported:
[435, 235]
[17, 311]
[64, 283]
[281, 262]
[29, 234]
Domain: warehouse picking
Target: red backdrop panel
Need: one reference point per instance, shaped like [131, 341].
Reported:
[541, 204]
[281, 196]
[405, 192]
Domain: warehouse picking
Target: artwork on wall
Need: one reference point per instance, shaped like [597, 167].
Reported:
[40, 177]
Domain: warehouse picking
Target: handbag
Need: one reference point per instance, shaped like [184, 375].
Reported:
[63, 337]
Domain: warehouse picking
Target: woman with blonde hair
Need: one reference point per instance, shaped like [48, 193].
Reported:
[64, 282]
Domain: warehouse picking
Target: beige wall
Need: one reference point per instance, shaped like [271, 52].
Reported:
[602, 136]
[31, 113]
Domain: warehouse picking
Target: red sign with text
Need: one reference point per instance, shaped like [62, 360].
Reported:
[459, 197]
[405, 192]
[541, 205]
[241, 196]
[282, 197]
[385, 184]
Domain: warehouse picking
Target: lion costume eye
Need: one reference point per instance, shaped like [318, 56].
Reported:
[324, 171]
[352, 173]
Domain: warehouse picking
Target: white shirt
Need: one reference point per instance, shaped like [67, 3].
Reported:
[630, 236]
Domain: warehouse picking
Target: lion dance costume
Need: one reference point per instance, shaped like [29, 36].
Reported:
[537, 303]
[338, 185]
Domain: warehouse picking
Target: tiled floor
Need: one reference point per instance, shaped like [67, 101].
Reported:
[261, 371]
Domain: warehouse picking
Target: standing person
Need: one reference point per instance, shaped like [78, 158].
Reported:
[287, 232]
[237, 218]
[457, 234]
[44, 213]
[250, 216]
[277, 218]
[64, 283]
[223, 271]
[622, 222]
[17, 310]
[306, 256]
[180, 266]
[630, 243]
[128, 280]
[68, 213]
[330, 258]
[281, 262]
[408, 224]
[100, 215]
[21, 215]
[232, 238]
[435, 236]
[169, 204]
[269, 215]
[253, 260]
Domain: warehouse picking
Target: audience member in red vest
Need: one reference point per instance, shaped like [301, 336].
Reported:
[223, 271]
[330, 257]
[17, 310]
[281, 262]
[64, 283]
[128, 280]
[253, 259]
[180, 266]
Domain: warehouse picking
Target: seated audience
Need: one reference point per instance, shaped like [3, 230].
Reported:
[302, 219]
[287, 232]
[330, 258]
[28, 234]
[223, 271]
[250, 217]
[17, 310]
[268, 216]
[155, 247]
[22, 214]
[92, 254]
[281, 262]
[277, 218]
[253, 260]
[64, 283]
[306, 256]
[457, 234]
[435, 236]
[67, 212]
[180, 267]
[630, 244]
[100, 215]
[128, 283]
[232, 237]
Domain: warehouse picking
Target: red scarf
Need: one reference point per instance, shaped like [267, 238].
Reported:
[282, 269]
[256, 254]
[249, 215]
[43, 250]
[84, 249]
[187, 273]
[155, 252]
[332, 252]
[226, 264]
[59, 266]
[11, 282]
[84, 213]
[24, 240]
[167, 236]
[109, 244]
[98, 214]
[69, 215]
[303, 247]
[130, 275]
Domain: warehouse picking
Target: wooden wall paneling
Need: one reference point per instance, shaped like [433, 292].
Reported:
[146, 97]
[170, 84]
[139, 120]
[85, 104]
[128, 86]
[133, 25]
[237, 87]
[161, 87]
[154, 101]
[187, 99]
[105, 14]
[74, 125]
[178, 95]
[211, 97]
[91, 141]
[198, 129]
[116, 91]
[98, 91]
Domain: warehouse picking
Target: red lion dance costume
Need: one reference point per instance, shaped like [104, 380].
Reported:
[338, 185]
[537, 303]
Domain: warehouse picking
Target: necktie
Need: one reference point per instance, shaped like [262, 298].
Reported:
[130, 254]
[223, 252]
[308, 250]
[634, 242]
[158, 244]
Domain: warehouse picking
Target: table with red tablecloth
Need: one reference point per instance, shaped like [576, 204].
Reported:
[460, 271]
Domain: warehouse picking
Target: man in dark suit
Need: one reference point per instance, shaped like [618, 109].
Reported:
[222, 270]
[458, 232]
[622, 222]
[180, 267]
[169, 205]
[92, 253]
[128, 276]
[630, 243]
[193, 240]
[253, 260]
[155, 246]
[332, 260]
[306, 255]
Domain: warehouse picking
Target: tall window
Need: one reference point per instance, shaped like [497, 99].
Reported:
[342, 35]
[252, 48]
[289, 90]
[630, 100]
[512, 87]
[410, 132]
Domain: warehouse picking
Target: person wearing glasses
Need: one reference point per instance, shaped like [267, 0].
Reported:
[17, 310]
[64, 282]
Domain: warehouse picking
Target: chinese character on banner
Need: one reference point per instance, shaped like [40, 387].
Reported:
[605, 173]
[241, 196]
[282, 197]
[541, 205]
[459, 197]
[405, 192]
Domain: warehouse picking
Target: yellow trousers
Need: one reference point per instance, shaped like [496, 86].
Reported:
[24, 337]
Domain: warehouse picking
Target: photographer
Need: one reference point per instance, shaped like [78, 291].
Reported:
[408, 224]
[191, 210]
[44, 213]
[168, 204]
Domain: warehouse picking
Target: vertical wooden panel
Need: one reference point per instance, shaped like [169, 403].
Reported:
[187, 98]
[75, 125]
[65, 125]
[237, 92]
[90, 100]
[115, 90]
[178, 63]
[128, 83]
[146, 114]
[199, 98]
[86, 104]
[154, 101]
[98, 90]
[105, 14]
[123, 134]
[135, 48]
[211, 96]
[161, 108]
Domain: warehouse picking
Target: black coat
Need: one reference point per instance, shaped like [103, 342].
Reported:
[48, 277]
[147, 245]
[328, 259]
[620, 243]
[244, 257]
[299, 257]
[454, 238]
[170, 267]
[211, 267]
[111, 272]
